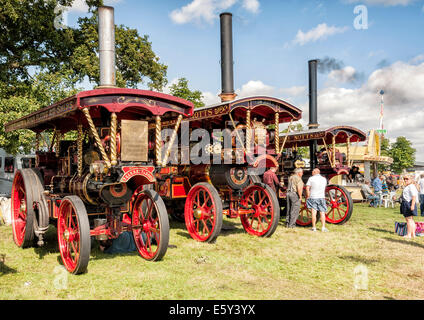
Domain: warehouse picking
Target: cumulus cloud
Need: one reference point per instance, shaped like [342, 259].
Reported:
[404, 112]
[386, 3]
[320, 32]
[207, 10]
[251, 5]
[80, 6]
[255, 88]
[345, 75]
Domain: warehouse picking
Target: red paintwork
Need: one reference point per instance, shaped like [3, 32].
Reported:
[70, 247]
[200, 226]
[145, 226]
[259, 222]
[131, 172]
[18, 217]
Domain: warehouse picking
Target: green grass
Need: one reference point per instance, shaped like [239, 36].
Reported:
[291, 265]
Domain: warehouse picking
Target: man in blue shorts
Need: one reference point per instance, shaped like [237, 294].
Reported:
[315, 198]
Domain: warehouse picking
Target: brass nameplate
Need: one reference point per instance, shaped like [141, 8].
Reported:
[134, 137]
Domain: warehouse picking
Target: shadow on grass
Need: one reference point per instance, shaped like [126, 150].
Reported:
[381, 230]
[4, 269]
[228, 228]
[410, 242]
[359, 259]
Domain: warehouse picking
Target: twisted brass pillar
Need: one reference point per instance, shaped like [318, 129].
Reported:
[171, 142]
[113, 127]
[158, 141]
[248, 131]
[277, 133]
[96, 136]
[79, 150]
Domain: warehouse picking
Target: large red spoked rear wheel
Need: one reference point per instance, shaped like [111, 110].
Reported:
[339, 204]
[22, 210]
[150, 225]
[203, 212]
[305, 215]
[73, 231]
[263, 221]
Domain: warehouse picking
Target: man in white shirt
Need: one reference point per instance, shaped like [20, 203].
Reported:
[421, 185]
[315, 198]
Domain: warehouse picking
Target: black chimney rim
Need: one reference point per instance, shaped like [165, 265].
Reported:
[226, 14]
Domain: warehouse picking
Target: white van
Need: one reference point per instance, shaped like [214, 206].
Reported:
[8, 166]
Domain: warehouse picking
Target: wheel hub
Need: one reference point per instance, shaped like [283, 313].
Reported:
[147, 226]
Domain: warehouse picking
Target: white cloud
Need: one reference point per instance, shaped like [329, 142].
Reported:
[251, 5]
[386, 3]
[293, 91]
[404, 103]
[80, 6]
[209, 98]
[344, 75]
[322, 31]
[207, 10]
[254, 88]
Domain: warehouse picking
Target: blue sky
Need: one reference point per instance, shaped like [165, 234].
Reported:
[273, 41]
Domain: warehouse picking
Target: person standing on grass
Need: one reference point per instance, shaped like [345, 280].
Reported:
[378, 188]
[369, 194]
[408, 206]
[315, 198]
[271, 179]
[421, 185]
[294, 197]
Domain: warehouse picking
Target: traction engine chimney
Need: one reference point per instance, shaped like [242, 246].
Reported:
[107, 47]
[313, 110]
[227, 73]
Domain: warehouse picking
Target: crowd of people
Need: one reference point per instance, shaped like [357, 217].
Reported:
[315, 195]
[411, 197]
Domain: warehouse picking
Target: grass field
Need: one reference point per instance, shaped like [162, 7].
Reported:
[293, 264]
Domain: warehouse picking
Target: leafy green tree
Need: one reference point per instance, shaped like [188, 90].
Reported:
[40, 64]
[181, 90]
[403, 154]
[303, 151]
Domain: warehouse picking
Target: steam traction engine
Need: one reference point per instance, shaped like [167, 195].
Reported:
[331, 163]
[200, 194]
[328, 159]
[90, 183]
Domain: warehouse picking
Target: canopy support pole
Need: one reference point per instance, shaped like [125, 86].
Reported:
[96, 137]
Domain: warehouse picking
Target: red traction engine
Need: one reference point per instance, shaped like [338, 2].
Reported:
[331, 163]
[201, 194]
[91, 185]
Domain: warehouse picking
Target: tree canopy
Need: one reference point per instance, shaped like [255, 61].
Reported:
[40, 64]
[403, 154]
[182, 90]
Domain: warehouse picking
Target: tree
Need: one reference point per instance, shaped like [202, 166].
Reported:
[403, 154]
[181, 90]
[40, 64]
[303, 151]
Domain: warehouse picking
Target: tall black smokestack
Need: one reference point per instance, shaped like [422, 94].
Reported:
[313, 96]
[107, 47]
[313, 110]
[227, 74]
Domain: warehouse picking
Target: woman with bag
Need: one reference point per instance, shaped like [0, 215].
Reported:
[408, 206]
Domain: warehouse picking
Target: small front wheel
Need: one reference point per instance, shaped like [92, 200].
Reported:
[150, 225]
[203, 212]
[73, 230]
[263, 202]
